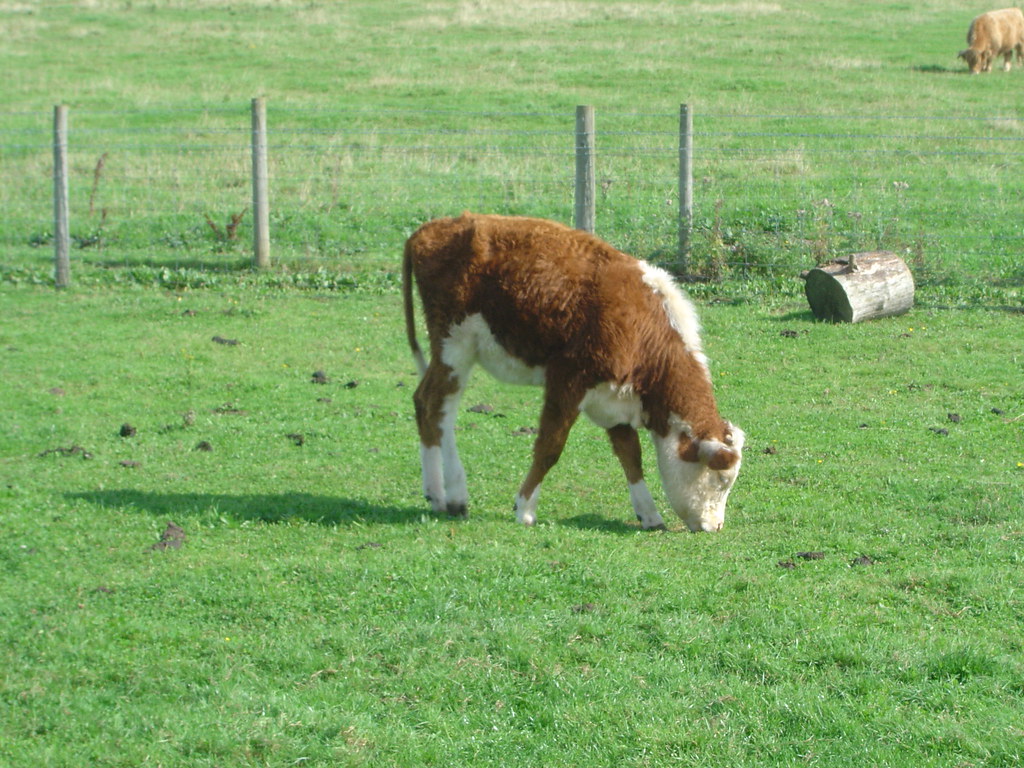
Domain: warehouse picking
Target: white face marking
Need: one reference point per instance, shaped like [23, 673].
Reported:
[697, 493]
[608, 405]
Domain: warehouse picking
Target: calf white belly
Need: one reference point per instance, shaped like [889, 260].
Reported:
[471, 341]
[609, 405]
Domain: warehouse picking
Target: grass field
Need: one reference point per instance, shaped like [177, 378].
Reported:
[317, 612]
[208, 558]
[385, 114]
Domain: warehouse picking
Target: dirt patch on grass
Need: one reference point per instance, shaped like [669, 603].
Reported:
[172, 538]
[71, 450]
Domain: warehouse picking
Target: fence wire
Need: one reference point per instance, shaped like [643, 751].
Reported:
[772, 193]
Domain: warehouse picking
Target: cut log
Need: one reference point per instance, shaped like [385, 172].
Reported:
[865, 286]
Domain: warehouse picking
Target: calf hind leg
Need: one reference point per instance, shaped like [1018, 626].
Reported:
[437, 402]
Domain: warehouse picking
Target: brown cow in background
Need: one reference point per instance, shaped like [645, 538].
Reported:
[992, 34]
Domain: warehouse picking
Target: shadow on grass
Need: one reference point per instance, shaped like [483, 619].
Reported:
[803, 315]
[595, 522]
[936, 69]
[269, 508]
[284, 507]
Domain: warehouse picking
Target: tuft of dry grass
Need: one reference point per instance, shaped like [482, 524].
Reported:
[737, 9]
[530, 13]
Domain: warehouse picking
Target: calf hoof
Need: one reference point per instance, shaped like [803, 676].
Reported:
[458, 510]
[660, 527]
[524, 518]
[435, 504]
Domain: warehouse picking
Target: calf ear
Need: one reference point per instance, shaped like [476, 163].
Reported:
[723, 457]
[718, 455]
[712, 453]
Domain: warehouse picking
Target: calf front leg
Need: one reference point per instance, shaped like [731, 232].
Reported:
[626, 444]
[560, 412]
[437, 402]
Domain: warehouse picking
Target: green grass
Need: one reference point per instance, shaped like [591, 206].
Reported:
[318, 612]
[385, 114]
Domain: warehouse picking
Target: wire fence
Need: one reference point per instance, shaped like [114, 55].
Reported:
[772, 193]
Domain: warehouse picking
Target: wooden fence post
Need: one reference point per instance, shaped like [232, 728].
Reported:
[260, 182]
[685, 186]
[61, 232]
[585, 183]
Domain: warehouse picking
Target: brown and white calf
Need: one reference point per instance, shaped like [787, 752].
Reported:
[994, 34]
[535, 302]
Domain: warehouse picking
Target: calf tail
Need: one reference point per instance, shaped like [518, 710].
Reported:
[410, 316]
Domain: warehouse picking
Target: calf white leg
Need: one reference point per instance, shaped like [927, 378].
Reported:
[433, 476]
[560, 412]
[456, 494]
[444, 479]
[526, 508]
[437, 403]
[645, 508]
[626, 444]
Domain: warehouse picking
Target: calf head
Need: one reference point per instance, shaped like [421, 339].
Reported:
[699, 474]
[976, 60]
